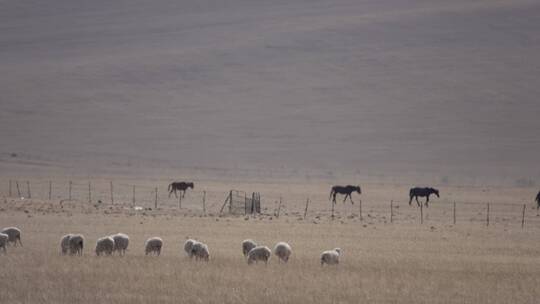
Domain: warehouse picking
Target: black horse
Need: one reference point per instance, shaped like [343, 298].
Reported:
[538, 200]
[179, 186]
[422, 192]
[347, 190]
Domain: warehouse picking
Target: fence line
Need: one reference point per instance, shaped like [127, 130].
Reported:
[148, 196]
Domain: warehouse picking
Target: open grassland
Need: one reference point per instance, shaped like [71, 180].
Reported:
[404, 261]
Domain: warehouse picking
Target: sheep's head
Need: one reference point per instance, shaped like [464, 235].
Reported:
[338, 250]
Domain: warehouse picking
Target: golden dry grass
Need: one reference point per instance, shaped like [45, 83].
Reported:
[402, 262]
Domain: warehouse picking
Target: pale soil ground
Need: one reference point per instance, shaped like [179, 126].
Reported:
[404, 261]
[373, 88]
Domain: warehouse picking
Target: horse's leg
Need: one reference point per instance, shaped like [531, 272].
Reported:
[175, 195]
[427, 201]
[183, 193]
[417, 202]
[348, 194]
[410, 199]
[350, 197]
[170, 192]
[334, 198]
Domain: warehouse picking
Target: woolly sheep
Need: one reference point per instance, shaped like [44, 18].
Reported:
[200, 251]
[14, 235]
[187, 246]
[121, 242]
[259, 253]
[153, 246]
[4, 238]
[105, 245]
[247, 245]
[330, 257]
[283, 251]
[64, 243]
[76, 244]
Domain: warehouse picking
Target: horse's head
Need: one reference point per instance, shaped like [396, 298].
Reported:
[435, 191]
[358, 190]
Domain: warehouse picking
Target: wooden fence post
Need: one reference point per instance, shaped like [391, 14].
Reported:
[50, 190]
[361, 218]
[230, 202]
[204, 202]
[18, 189]
[133, 198]
[487, 216]
[421, 213]
[89, 192]
[391, 211]
[112, 193]
[523, 217]
[246, 204]
[70, 185]
[28, 189]
[155, 202]
[307, 205]
[279, 207]
[10, 188]
[454, 213]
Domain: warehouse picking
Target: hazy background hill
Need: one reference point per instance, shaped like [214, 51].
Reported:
[372, 88]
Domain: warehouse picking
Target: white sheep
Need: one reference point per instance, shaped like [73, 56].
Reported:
[283, 251]
[121, 242]
[153, 245]
[330, 257]
[4, 238]
[247, 245]
[64, 243]
[187, 246]
[105, 245]
[259, 253]
[76, 244]
[200, 251]
[14, 235]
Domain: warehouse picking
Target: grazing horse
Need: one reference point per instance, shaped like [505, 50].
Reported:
[180, 186]
[538, 200]
[347, 190]
[422, 192]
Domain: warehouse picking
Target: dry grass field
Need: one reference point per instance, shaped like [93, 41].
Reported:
[382, 262]
[285, 98]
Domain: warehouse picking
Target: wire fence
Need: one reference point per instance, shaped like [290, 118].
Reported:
[141, 196]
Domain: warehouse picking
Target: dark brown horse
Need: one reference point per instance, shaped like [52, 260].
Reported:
[347, 190]
[422, 192]
[179, 186]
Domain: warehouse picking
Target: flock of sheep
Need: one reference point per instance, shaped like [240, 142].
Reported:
[73, 244]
